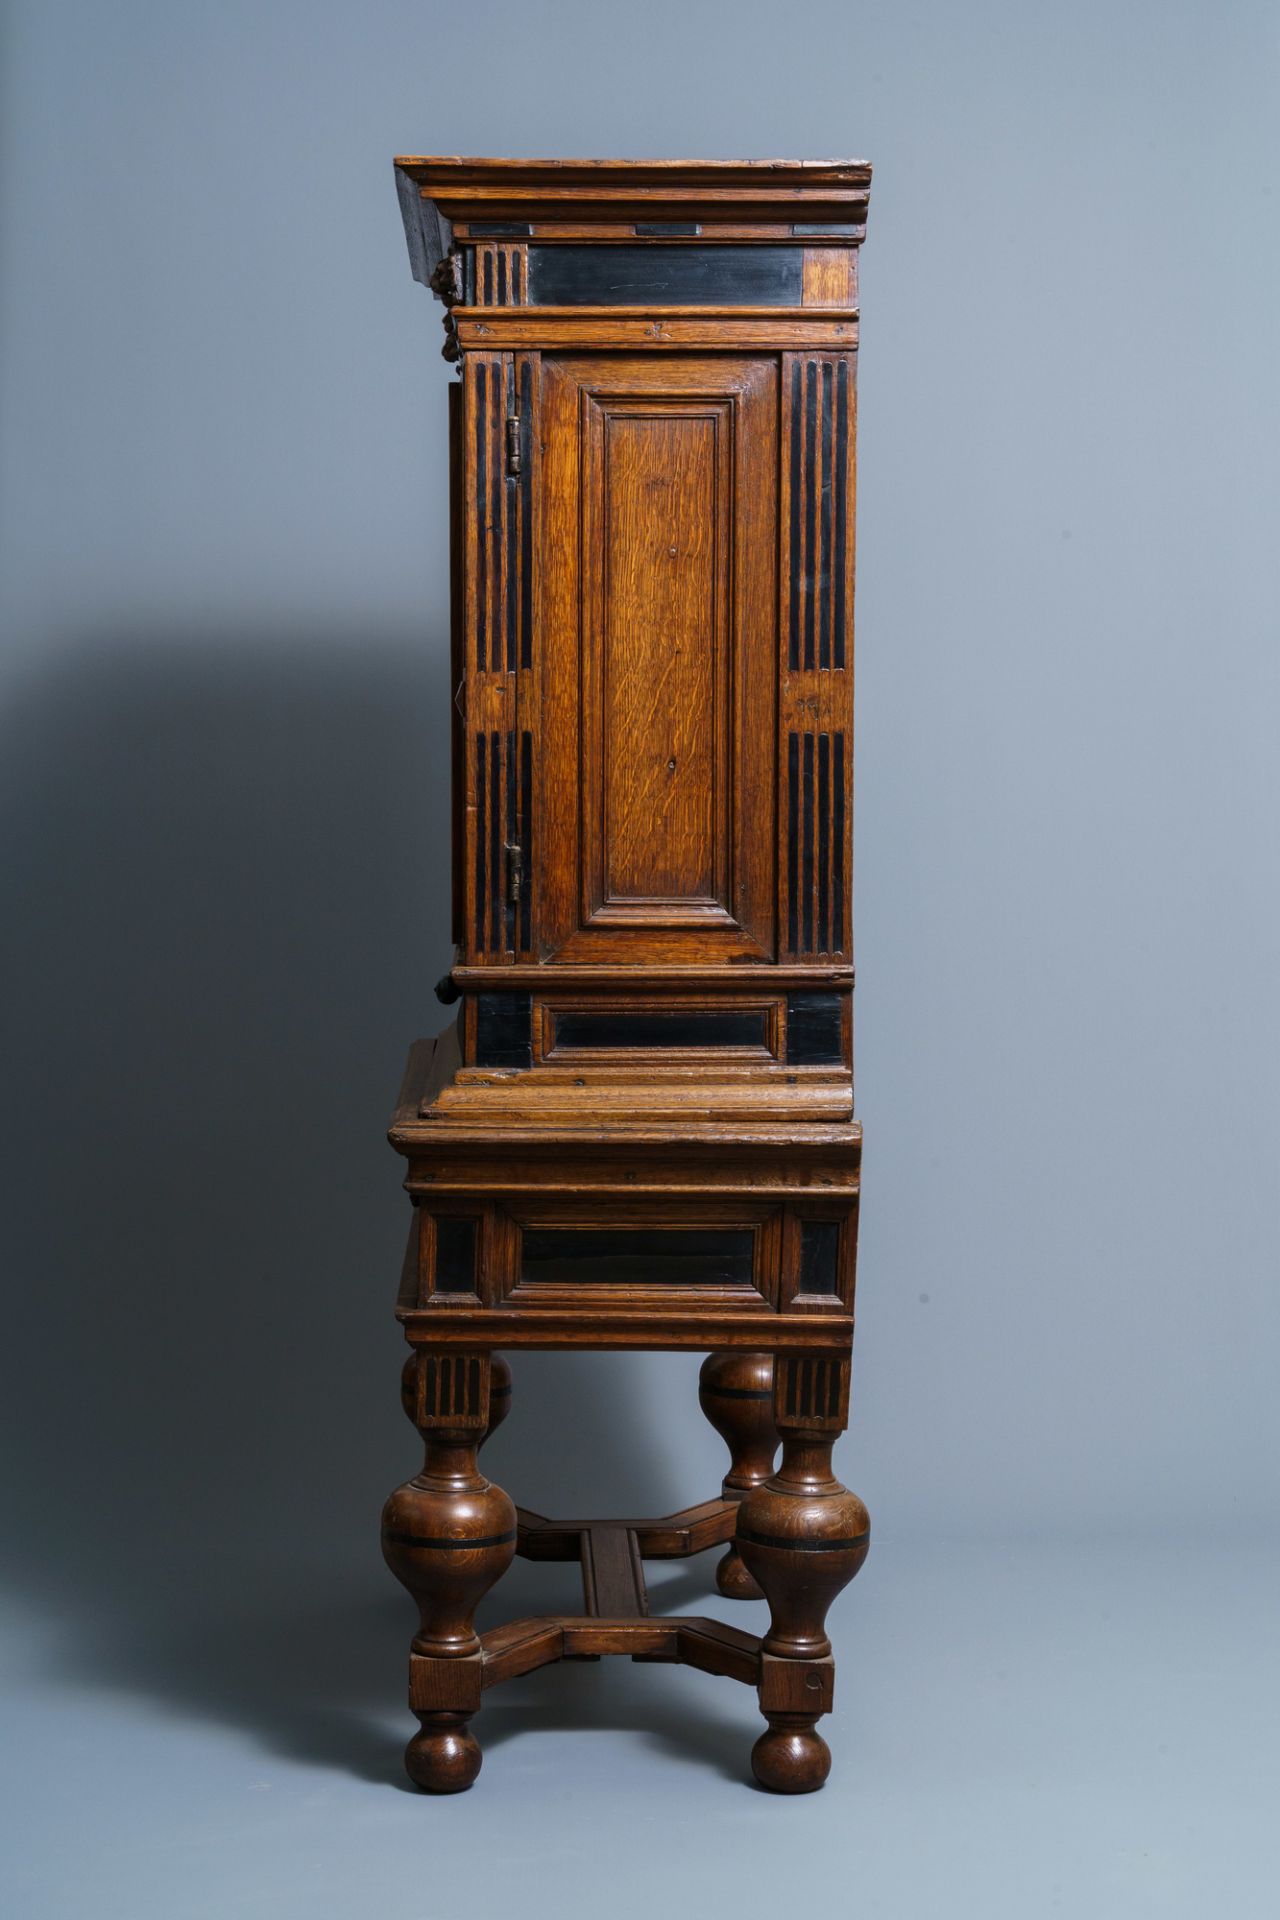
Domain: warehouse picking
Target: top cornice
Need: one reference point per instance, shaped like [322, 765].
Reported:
[441, 191]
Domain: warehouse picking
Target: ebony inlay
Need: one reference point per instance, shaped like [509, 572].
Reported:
[819, 1250]
[669, 1256]
[455, 1255]
[504, 1030]
[813, 1029]
[678, 276]
[677, 1029]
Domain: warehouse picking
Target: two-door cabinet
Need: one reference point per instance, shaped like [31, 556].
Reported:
[639, 1131]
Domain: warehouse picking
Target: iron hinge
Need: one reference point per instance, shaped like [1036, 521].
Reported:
[515, 872]
[513, 445]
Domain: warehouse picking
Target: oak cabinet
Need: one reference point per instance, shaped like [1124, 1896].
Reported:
[640, 1130]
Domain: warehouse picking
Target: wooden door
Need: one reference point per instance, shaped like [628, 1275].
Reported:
[658, 656]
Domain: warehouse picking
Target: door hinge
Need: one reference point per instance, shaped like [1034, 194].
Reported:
[515, 872]
[513, 445]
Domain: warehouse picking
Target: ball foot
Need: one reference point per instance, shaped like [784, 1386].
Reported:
[444, 1757]
[734, 1581]
[789, 1757]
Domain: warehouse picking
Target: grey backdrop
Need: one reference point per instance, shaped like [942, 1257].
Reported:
[225, 860]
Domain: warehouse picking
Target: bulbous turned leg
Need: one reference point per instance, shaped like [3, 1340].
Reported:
[448, 1535]
[735, 1391]
[804, 1536]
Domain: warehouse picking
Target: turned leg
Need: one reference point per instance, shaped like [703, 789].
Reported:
[735, 1391]
[448, 1535]
[803, 1536]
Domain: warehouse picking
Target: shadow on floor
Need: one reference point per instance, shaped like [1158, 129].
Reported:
[224, 880]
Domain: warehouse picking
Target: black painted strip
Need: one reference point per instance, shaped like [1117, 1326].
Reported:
[469, 276]
[682, 1029]
[837, 878]
[517, 277]
[482, 837]
[526, 516]
[813, 1029]
[799, 1546]
[439, 1543]
[824, 841]
[819, 1245]
[754, 276]
[842, 507]
[488, 276]
[793, 830]
[801, 228]
[495, 841]
[797, 501]
[810, 506]
[658, 229]
[512, 774]
[502, 276]
[806, 857]
[513, 544]
[824, 509]
[738, 1393]
[500, 229]
[482, 491]
[526, 840]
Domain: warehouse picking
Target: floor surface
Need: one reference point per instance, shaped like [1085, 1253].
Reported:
[1088, 1730]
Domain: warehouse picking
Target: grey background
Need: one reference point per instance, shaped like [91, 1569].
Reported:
[224, 900]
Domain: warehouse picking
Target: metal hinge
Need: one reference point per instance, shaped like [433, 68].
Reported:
[513, 445]
[515, 872]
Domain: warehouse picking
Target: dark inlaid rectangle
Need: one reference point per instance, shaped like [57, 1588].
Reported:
[663, 229]
[813, 1029]
[638, 1256]
[676, 1029]
[455, 1255]
[678, 276]
[499, 229]
[819, 1251]
[504, 1030]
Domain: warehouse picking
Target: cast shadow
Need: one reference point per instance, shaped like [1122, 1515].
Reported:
[224, 888]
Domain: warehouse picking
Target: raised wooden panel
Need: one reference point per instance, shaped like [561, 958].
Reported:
[657, 507]
[659, 621]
